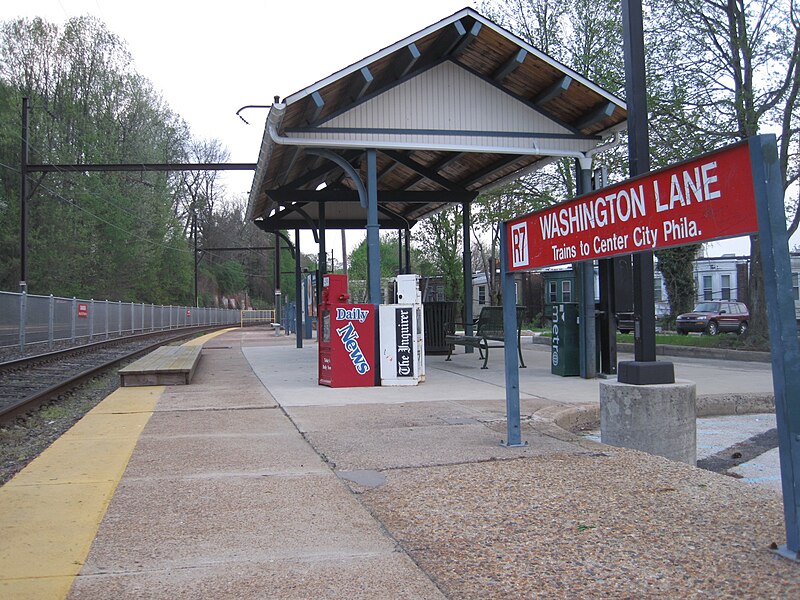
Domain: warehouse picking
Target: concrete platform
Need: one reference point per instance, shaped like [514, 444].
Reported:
[255, 482]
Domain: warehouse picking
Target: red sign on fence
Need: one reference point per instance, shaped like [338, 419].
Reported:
[706, 198]
[83, 310]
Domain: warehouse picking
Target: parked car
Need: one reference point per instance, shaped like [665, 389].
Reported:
[713, 317]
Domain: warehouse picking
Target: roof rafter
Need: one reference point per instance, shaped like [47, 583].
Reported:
[407, 161]
[600, 113]
[511, 65]
[362, 80]
[554, 91]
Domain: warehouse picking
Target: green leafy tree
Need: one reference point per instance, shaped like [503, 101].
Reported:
[440, 241]
[230, 277]
[735, 67]
[110, 235]
[676, 265]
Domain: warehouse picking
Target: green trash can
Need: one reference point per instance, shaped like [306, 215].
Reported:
[565, 348]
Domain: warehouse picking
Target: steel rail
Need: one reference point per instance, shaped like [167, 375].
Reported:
[12, 411]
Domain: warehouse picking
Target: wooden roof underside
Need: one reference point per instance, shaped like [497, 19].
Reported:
[415, 181]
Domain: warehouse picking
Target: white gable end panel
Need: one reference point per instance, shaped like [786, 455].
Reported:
[449, 98]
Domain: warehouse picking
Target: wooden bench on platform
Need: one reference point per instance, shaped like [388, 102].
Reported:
[167, 365]
[489, 334]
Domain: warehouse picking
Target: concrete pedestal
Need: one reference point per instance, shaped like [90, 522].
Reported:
[658, 419]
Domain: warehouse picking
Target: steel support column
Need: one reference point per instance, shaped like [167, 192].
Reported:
[408, 250]
[298, 290]
[467, 260]
[584, 278]
[513, 431]
[400, 268]
[373, 229]
[322, 256]
[277, 278]
[608, 321]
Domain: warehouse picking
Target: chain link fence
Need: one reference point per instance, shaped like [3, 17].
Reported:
[27, 320]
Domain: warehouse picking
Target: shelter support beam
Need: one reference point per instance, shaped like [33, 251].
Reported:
[584, 276]
[277, 278]
[373, 229]
[408, 250]
[467, 259]
[322, 260]
[608, 320]
[298, 290]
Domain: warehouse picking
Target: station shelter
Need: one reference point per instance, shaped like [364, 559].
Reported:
[429, 122]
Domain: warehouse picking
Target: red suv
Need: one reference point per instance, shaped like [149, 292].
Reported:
[713, 317]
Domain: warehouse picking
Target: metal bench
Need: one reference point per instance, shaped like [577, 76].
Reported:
[489, 334]
[167, 365]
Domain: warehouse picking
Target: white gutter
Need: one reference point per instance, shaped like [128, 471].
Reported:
[276, 115]
[538, 165]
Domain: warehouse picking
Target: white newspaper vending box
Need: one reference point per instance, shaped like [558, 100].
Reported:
[402, 335]
[402, 351]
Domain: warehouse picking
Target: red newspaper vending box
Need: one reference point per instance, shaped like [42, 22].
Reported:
[346, 337]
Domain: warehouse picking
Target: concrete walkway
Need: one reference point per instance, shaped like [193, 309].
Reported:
[255, 482]
[223, 498]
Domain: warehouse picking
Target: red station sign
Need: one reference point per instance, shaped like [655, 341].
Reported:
[706, 198]
[83, 310]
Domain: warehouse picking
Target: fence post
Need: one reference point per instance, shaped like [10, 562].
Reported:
[51, 321]
[133, 318]
[152, 317]
[119, 311]
[91, 319]
[142, 317]
[73, 318]
[107, 332]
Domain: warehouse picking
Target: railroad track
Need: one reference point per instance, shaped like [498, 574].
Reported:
[29, 382]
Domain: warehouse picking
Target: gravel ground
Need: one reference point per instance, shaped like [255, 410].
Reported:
[617, 523]
[26, 438]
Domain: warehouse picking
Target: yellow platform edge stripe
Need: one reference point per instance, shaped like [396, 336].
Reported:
[51, 510]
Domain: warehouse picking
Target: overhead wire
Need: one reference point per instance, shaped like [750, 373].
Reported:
[69, 173]
[98, 217]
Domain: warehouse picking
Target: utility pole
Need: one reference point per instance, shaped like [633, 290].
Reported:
[194, 237]
[23, 201]
[644, 369]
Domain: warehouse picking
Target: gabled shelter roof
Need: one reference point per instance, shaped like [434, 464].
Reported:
[457, 108]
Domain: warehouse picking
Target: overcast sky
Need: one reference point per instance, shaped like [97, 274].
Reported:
[208, 59]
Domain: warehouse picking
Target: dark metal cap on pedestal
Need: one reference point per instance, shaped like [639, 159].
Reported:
[637, 372]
